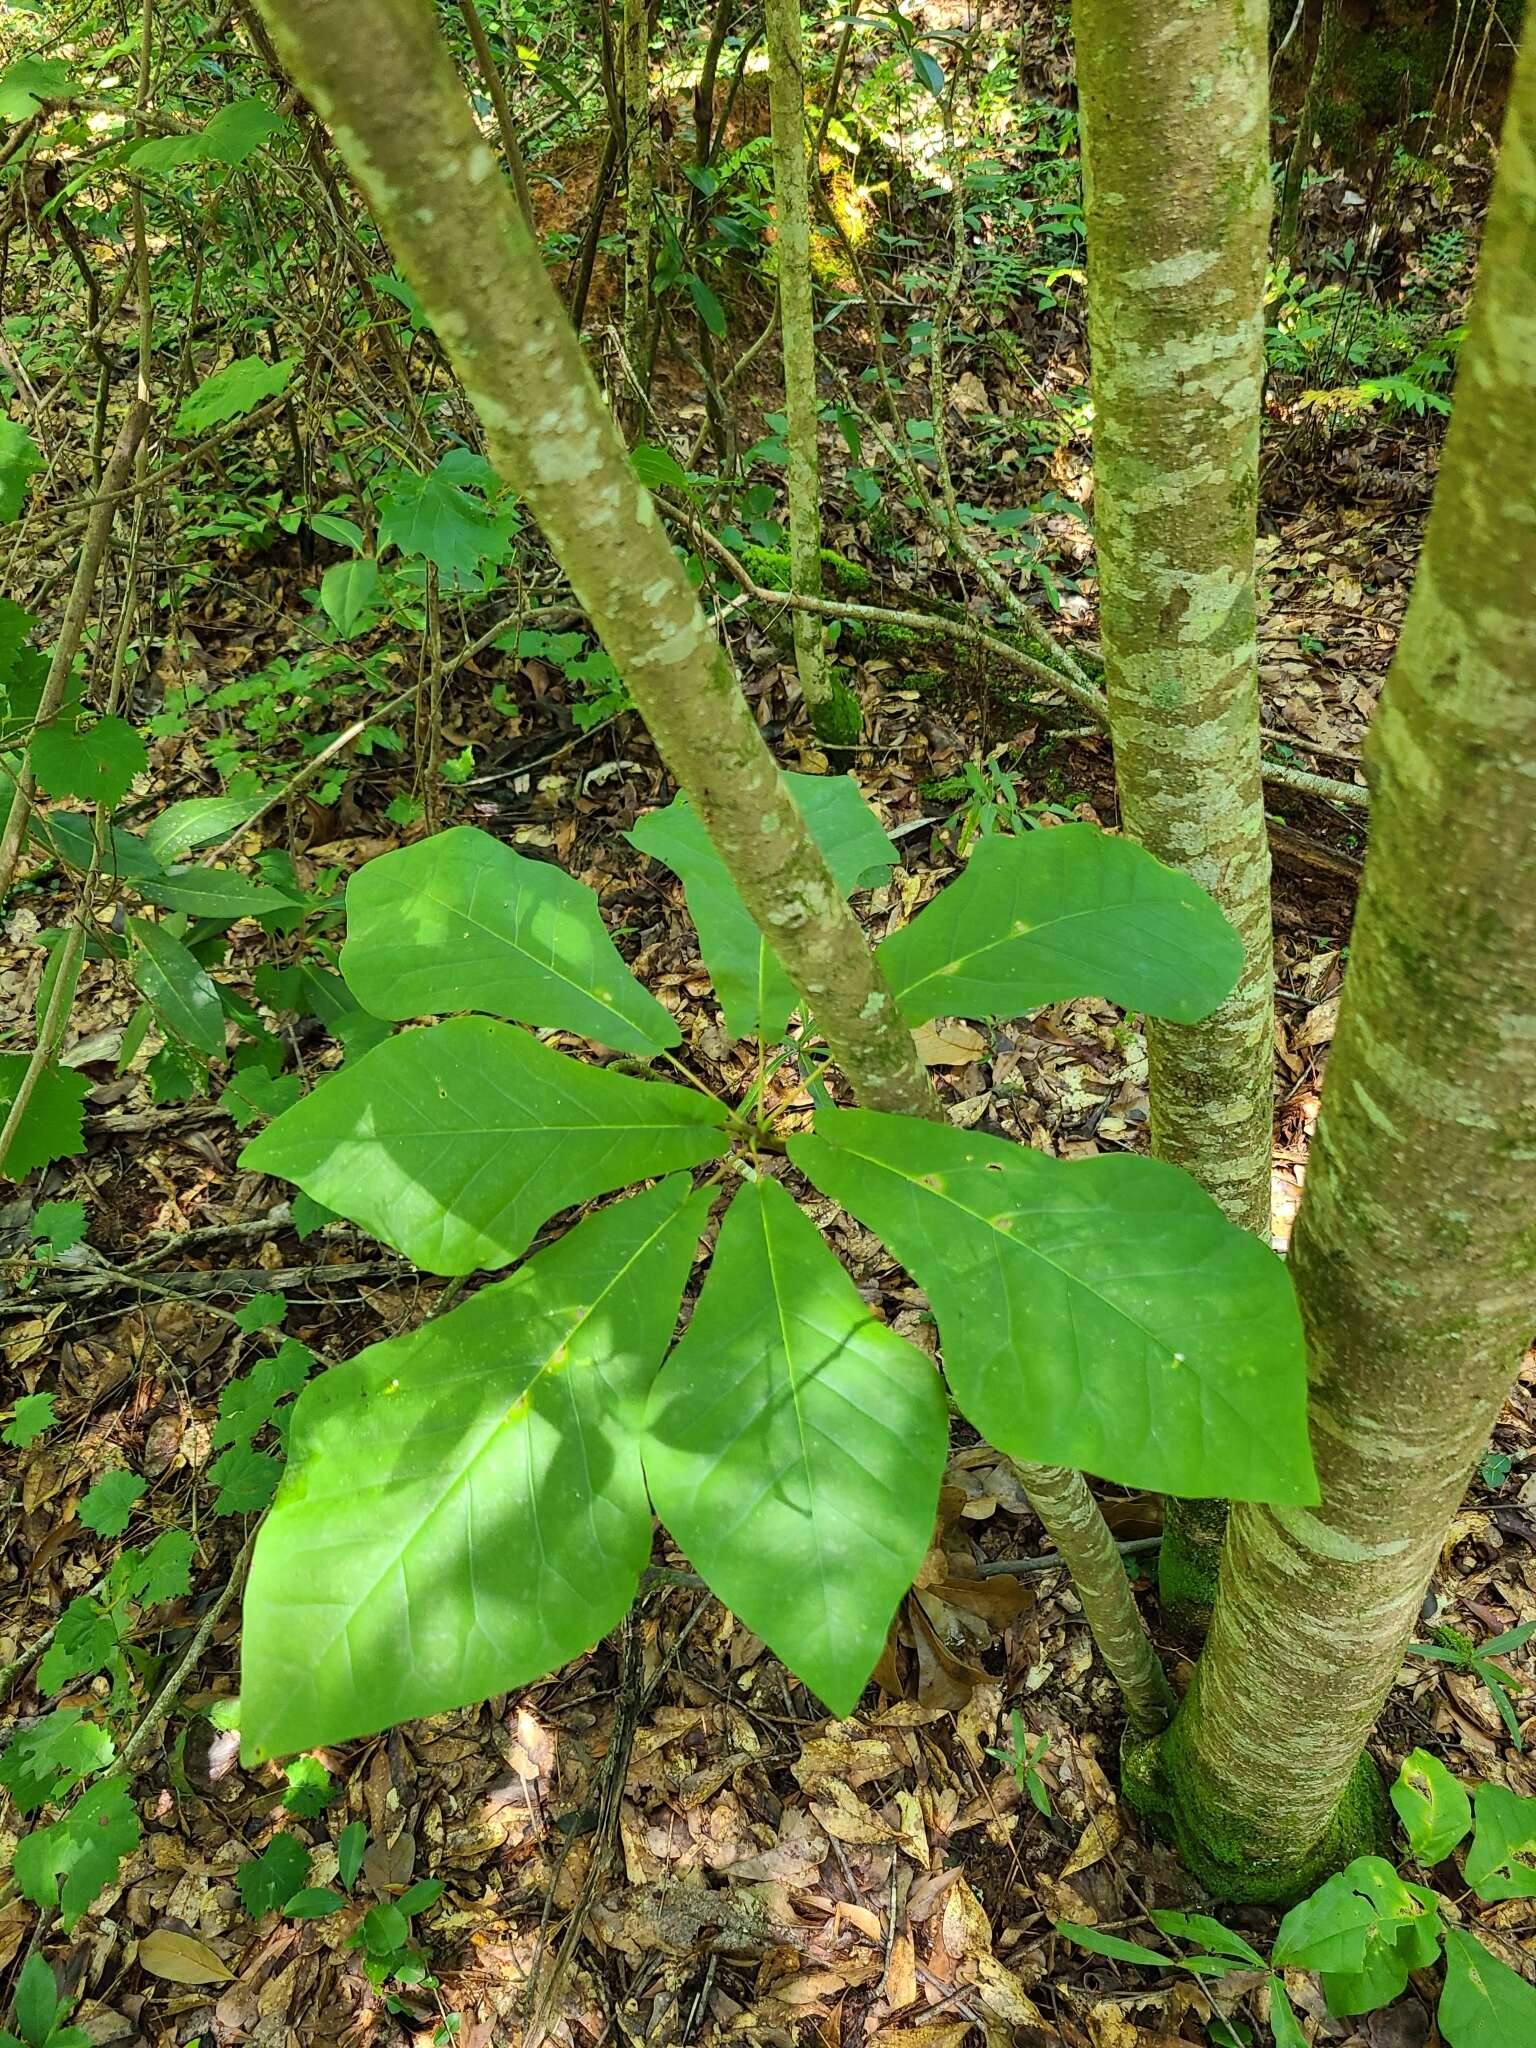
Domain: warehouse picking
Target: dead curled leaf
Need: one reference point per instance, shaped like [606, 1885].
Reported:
[1096, 1840]
[181, 1959]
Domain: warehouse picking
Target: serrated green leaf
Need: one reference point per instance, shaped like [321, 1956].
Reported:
[349, 592]
[255, 1096]
[84, 1641]
[52, 1126]
[176, 988]
[269, 1880]
[435, 518]
[94, 762]
[20, 458]
[261, 1312]
[58, 1225]
[164, 1571]
[108, 1507]
[249, 1403]
[455, 1143]
[461, 922]
[1432, 1806]
[1485, 2004]
[235, 390]
[311, 1788]
[1501, 1863]
[197, 821]
[214, 892]
[32, 1414]
[245, 1479]
[1051, 915]
[234, 133]
[1102, 1314]
[794, 1447]
[44, 1762]
[464, 1508]
[70, 1863]
[752, 987]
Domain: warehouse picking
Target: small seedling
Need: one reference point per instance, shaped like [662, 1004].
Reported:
[1024, 1759]
[1451, 1647]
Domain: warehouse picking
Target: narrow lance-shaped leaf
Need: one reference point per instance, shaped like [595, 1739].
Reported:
[1050, 915]
[464, 1508]
[794, 1447]
[461, 922]
[1102, 1314]
[455, 1143]
[181, 994]
[754, 991]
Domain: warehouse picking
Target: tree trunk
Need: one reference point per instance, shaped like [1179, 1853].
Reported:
[1306, 122]
[634, 379]
[828, 707]
[458, 237]
[1173, 103]
[1415, 1249]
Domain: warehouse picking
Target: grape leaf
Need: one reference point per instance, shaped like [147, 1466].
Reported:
[233, 391]
[69, 1864]
[434, 517]
[461, 922]
[52, 1126]
[44, 1762]
[1049, 915]
[269, 1880]
[109, 1505]
[1101, 1314]
[94, 762]
[794, 1447]
[464, 1508]
[32, 1415]
[455, 1143]
[754, 991]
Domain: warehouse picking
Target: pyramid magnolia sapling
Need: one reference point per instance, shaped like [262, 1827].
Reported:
[469, 1506]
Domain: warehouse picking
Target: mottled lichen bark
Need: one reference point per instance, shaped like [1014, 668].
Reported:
[1173, 99]
[455, 231]
[639, 182]
[379, 76]
[1078, 1529]
[1306, 122]
[828, 707]
[1415, 1251]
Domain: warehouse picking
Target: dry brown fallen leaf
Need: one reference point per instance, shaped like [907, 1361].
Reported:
[953, 1045]
[1096, 1840]
[181, 1959]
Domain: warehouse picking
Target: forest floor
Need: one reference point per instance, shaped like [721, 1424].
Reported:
[667, 1841]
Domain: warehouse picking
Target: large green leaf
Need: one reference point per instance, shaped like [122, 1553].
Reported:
[1501, 1863]
[794, 1447]
[436, 518]
[20, 457]
[754, 991]
[1050, 915]
[1102, 1314]
[232, 392]
[1485, 2004]
[51, 1125]
[455, 1143]
[461, 922]
[1432, 1806]
[1366, 1929]
[464, 1507]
